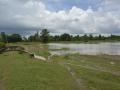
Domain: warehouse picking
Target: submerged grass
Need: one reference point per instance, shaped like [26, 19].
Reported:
[61, 49]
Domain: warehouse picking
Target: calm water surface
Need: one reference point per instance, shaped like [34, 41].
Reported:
[87, 49]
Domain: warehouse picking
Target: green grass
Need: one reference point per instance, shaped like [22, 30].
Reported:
[95, 72]
[98, 80]
[34, 47]
[20, 72]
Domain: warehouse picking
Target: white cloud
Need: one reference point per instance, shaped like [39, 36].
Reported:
[33, 15]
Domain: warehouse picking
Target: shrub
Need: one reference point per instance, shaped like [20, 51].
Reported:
[2, 45]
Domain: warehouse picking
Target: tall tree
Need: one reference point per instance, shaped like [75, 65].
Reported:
[76, 38]
[85, 38]
[45, 36]
[37, 37]
[31, 38]
[65, 37]
[99, 37]
[90, 37]
[3, 37]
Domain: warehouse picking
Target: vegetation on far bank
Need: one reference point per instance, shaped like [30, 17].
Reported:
[45, 37]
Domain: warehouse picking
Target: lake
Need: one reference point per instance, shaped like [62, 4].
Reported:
[85, 49]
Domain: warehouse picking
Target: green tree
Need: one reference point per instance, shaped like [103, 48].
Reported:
[85, 38]
[65, 37]
[14, 38]
[76, 38]
[3, 37]
[99, 37]
[56, 38]
[31, 38]
[45, 36]
[91, 37]
[36, 36]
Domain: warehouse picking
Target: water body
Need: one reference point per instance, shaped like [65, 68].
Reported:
[85, 49]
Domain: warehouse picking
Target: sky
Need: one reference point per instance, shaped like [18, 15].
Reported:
[60, 16]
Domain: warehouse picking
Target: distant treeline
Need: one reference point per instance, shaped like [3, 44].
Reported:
[45, 37]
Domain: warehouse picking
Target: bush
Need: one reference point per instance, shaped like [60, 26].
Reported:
[2, 45]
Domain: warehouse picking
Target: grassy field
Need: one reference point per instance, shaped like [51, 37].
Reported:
[20, 72]
[93, 72]
[69, 72]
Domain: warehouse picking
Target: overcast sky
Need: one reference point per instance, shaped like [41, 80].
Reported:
[60, 16]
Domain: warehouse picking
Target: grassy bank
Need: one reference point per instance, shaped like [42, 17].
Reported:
[20, 72]
[34, 47]
[69, 72]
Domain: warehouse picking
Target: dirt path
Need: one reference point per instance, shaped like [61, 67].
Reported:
[79, 81]
[1, 85]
